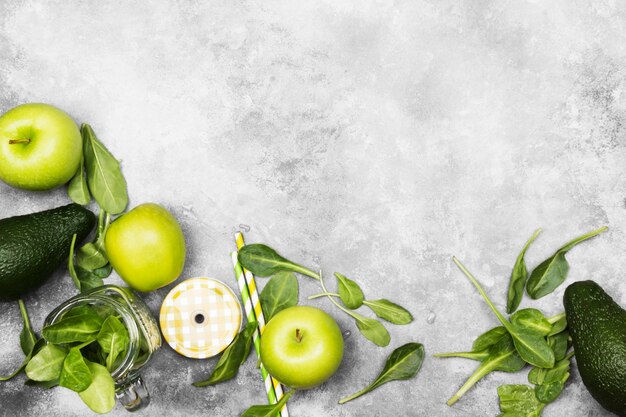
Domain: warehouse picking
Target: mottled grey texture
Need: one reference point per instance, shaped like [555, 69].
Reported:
[372, 138]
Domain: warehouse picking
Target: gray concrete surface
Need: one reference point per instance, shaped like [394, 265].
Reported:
[372, 138]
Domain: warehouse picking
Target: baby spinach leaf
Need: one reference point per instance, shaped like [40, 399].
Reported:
[103, 272]
[264, 261]
[104, 175]
[349, 292]
[232, 358]
[389, 311]
[270, 410]
[476, 356]
[77, 188]
[489, 338]
[46, 365]
[503, 356]
[403, 363]
[559, 323]
[532, 320]
[75, 374]
[73, 329]
[546, 277]
[82, 278]
[519, 401]
[519, 275]
[559, 344]
[113, 338]
[28, 338]
[100, 395]
[550, 382]
[93, 255]
[280, 292]
[531, 346]
[372, 329]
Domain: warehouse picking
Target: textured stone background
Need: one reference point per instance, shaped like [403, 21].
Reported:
[372, 138]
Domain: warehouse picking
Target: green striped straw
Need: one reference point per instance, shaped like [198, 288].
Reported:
[270, 383]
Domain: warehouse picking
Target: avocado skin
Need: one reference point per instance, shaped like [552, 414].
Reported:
[597, 325]
[32, 246]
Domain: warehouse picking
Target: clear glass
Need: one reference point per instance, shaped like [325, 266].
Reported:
[143, 330]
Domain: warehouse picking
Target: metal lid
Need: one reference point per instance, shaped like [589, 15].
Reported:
[200, 317]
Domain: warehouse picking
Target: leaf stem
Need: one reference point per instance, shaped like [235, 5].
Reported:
[305, 271]
[477, 356]
[569, 245]
[478, 374]
[469, 275]
[353, 396]
[24, 313]
[328, 294]
[14, 141]
[323, 294]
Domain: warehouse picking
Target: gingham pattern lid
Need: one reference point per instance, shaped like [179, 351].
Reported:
[200, 317]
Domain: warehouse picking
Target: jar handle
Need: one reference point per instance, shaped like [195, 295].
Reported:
[133, 394]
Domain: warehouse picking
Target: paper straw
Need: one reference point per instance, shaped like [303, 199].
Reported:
[253, 305]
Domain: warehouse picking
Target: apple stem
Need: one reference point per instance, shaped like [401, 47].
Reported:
[298, 336]
[14, 141]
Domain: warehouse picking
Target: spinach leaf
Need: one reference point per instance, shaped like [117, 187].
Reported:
[559, 323]
[389, 311]
[546, 277]
[489, 338]
[264, 261]
[349, 291]
[93, 255]
[100, 395]
[75, 374]
[83, 278]
[103, 272]
[232, 358]
[531, 346]
[532, 320]
[550, 382]
[519, 401]
[73, 329]
[280, 292]
[104, 175]
[559, 344]
[77, 188]
[519, 275]
[28, 338]
[476, 356]
[113, 338]
[372, 329]
[46, 365]
[403, 363]
[503, 356]
[270, 410]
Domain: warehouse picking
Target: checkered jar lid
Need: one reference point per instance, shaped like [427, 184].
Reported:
[200, 317]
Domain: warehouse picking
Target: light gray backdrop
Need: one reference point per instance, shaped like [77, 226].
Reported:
[372, 138]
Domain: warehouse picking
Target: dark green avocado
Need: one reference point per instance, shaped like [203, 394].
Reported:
[598, 328]
[32, 246]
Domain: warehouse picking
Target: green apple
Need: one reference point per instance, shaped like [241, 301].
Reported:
[146, 247]
[302, 346]
[40, 147]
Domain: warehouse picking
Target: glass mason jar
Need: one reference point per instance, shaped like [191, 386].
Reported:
[144, 334]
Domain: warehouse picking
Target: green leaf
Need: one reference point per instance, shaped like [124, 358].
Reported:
[103, 272]
[270, 410]
[372, 329]
[100, 395]
[559, 344]
[349, 292]
[519, 401]
[503, 356]
[77, 188]
[546, 277]
[75, 374]
[489, 338]
[113, 339]
[531, 347]
[389, 311]
[82, 328]
[264, 261]
[280, 292]
[403, 363]
[82, 278]
[559, 325]
[93, 255]
[28, 338]
[232, 358]
[476, 356]
[104, 175]
[532, 320]
[519, 275]
[46, 365]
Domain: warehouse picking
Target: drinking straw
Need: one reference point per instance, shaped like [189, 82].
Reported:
[252, 306]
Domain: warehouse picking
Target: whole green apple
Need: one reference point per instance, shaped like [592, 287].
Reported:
[146, 247]
[40, 147]
[302, 346]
